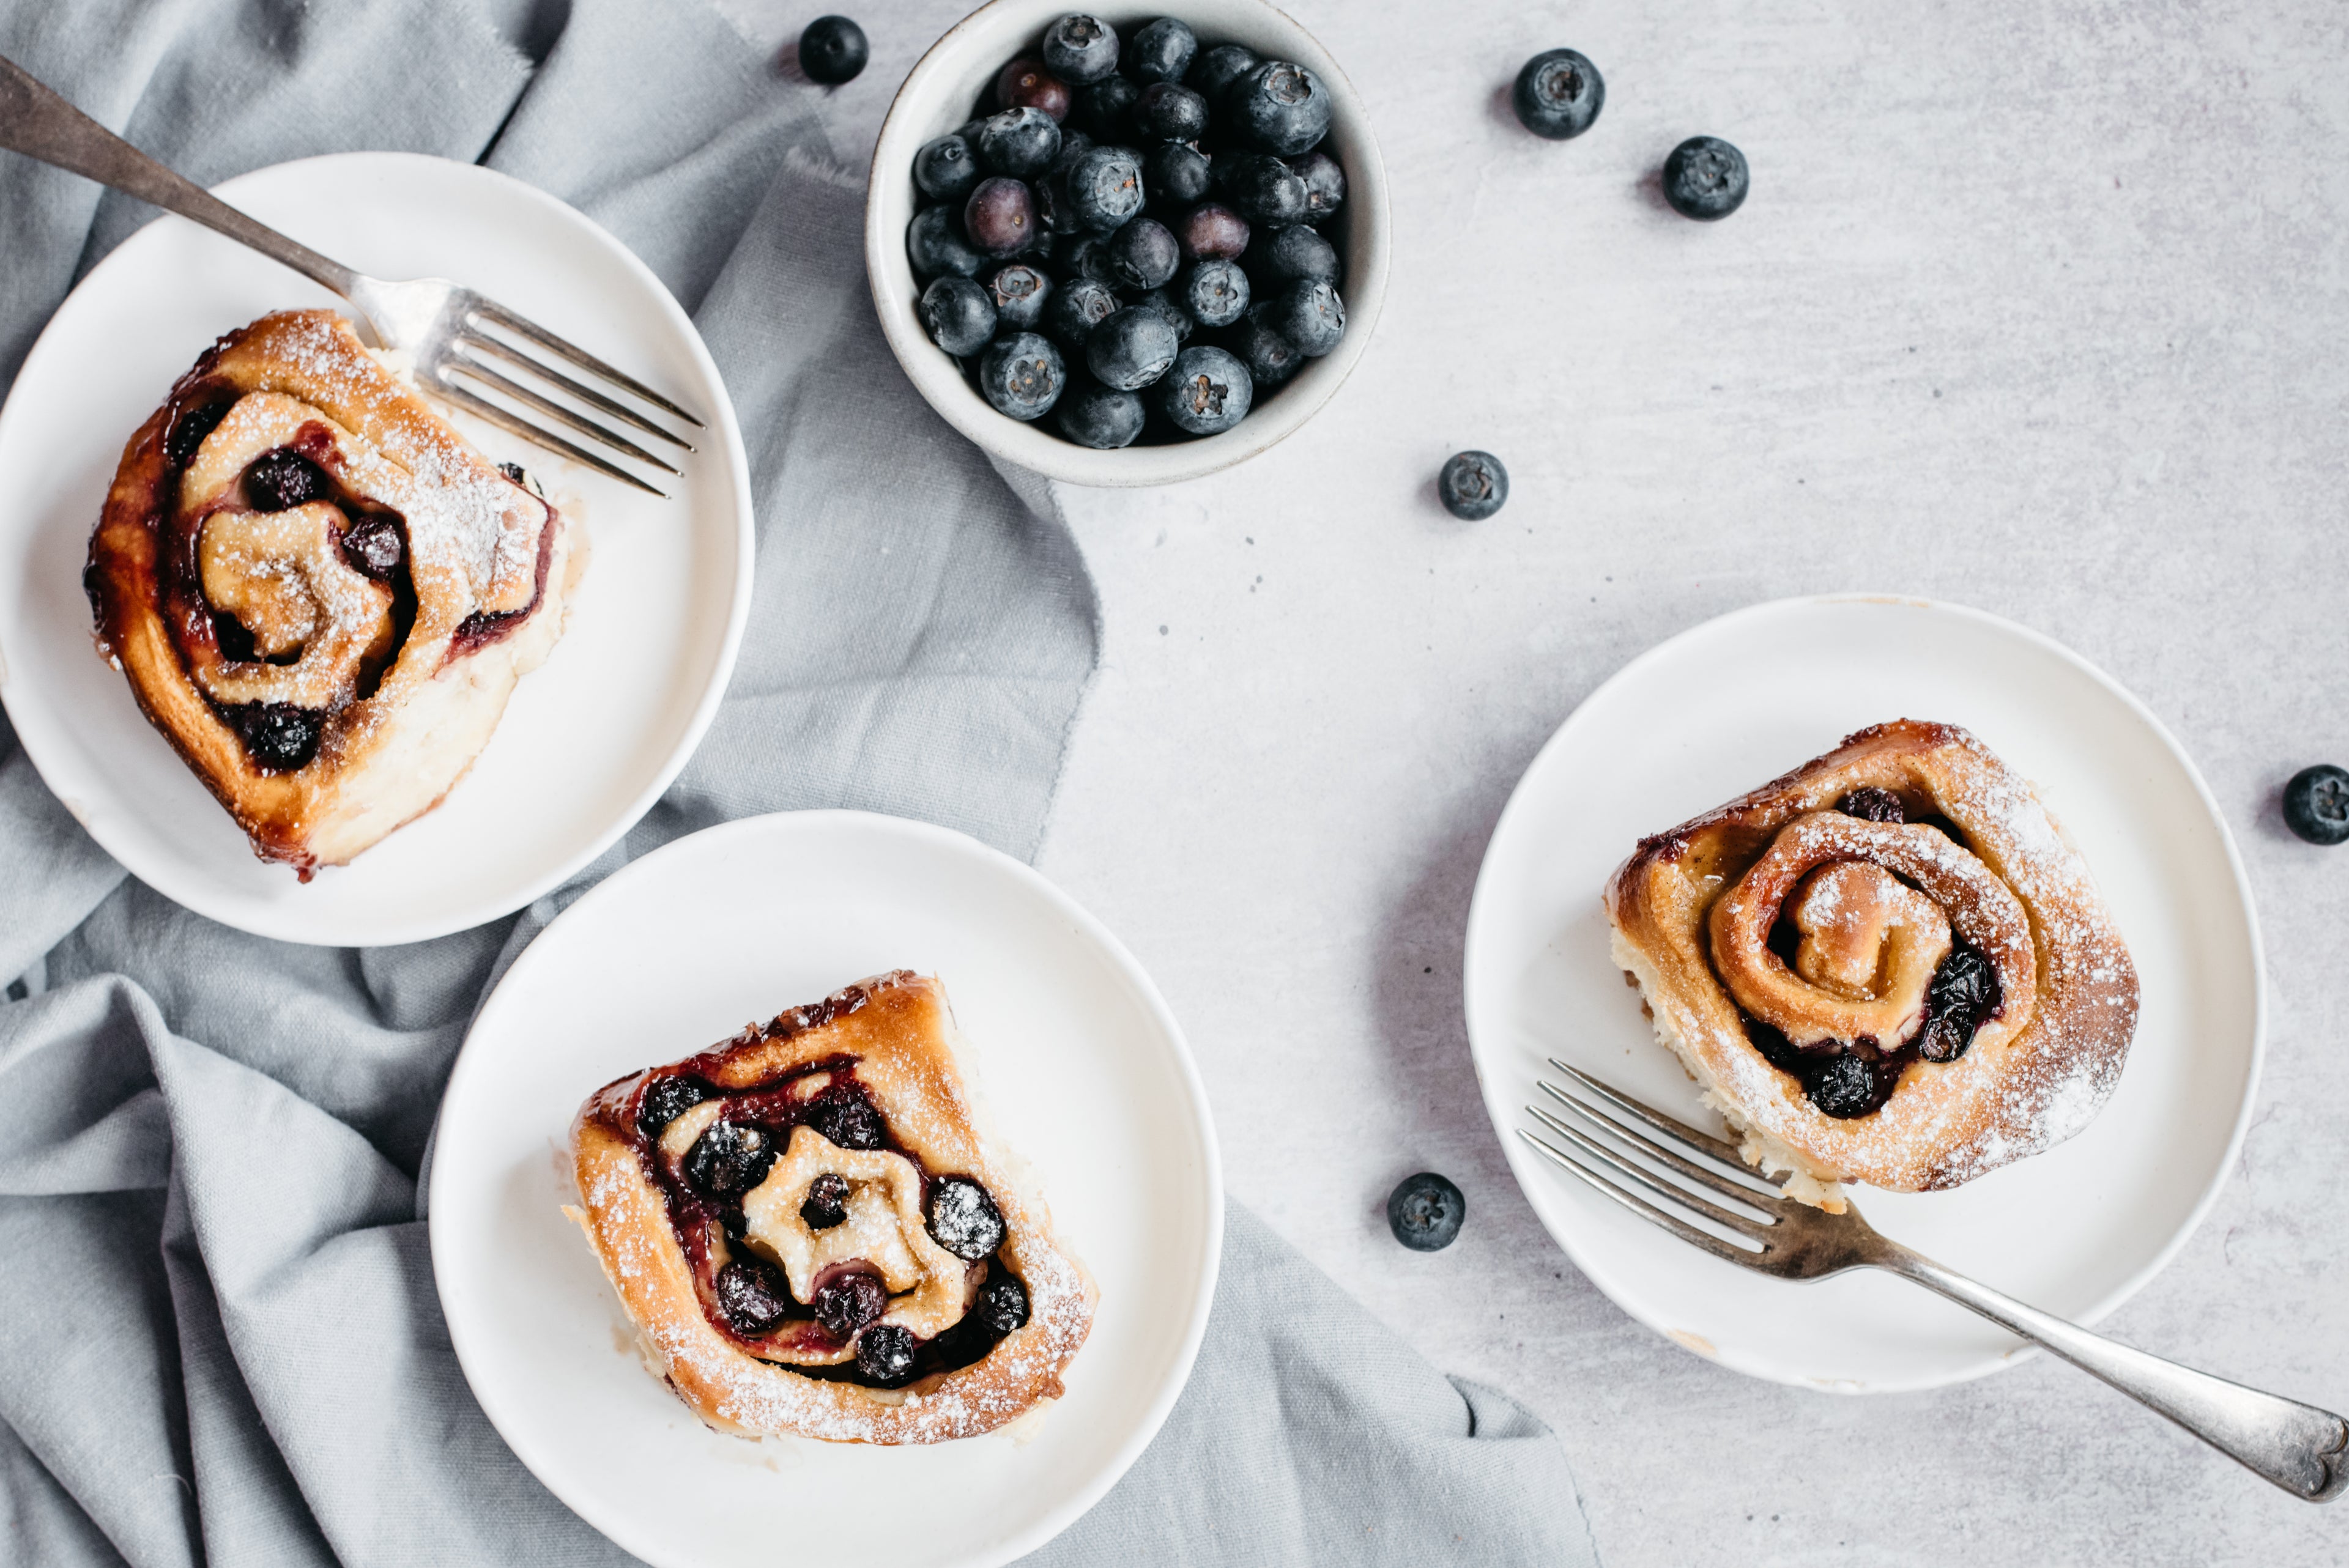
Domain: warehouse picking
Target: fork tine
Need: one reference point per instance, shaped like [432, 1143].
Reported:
[1648, 1146]
[523, 326]
[503, 421]
[481, 342]
[1744, 1224]
[1695, 1237]
[1725, 1153]
[554, 411]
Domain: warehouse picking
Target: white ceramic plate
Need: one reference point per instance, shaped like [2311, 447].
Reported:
[590, 739]
[1084, 1073]
[1736, 702]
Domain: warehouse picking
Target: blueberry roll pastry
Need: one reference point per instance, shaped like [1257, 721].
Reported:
[814, 1239]
[1889, 966]
[321, 595]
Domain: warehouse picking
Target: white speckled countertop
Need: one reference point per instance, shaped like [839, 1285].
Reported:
[2038, 308]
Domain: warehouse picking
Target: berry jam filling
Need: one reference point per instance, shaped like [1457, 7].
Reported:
[1856, 1079]
[747, 1297]
[1873, 804]
[279, 737]
[282, 479]
[1964, 995]
[483, 627]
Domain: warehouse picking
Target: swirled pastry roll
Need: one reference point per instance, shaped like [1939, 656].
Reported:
[321, 594]
[1888, 966]
[814, 1239]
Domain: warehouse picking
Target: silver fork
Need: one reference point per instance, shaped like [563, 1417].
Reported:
[446, 328]
[2301, 1449]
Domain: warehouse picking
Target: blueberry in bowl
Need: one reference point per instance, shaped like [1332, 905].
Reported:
[959, 314]
[1128, 188]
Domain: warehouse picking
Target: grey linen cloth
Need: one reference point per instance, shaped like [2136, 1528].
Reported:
[219, 1338]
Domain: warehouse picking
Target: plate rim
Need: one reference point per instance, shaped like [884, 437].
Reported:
[1480, 917]
[619, 887]
[294, 923]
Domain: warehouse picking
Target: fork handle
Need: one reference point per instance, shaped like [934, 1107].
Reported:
[2301, 1449]
[37, 122]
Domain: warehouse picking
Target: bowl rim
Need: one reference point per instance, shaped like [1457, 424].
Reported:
[1368, 234]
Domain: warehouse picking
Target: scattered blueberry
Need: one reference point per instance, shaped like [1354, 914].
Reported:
[730, 1159]
[2316, 804]
[1144, 255]
[1018, 293]
[833, 50]
[1264, 191]
[848, 1301]
[1325, 185]
[963, 1218]
[1873, 804]
[1019, 143]
[1160, 52]
[1175, 175]
[374, 547]
[1425, 1212]
[1170, 112]
[1559, 94]
[947, 169]
[1211, 232]
[936, 247]
[1002, 1305]
[1079, 50]
[1106, 108]
[282, 477]
[1217, 68]
[1214, 292]
[959, 315]
[1270, 358]
[846, 1119]
[1705, 179]
[1206, 393]
[1294, 253]
[1023, 376]
[1310, 314]
[1279, 108]
[1843, 1087]
[1963, 995]
[1105, 188]
[1101, 417]
[884, 1354]
[1000, 216]
[280, 737]
[1472, 485]
[1026, 84]
[1132, 349]
[666, 1098]
[826, 1205]
[753, 1295]
[1073, 310]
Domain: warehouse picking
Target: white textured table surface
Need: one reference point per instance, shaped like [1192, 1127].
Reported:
[2037, 308]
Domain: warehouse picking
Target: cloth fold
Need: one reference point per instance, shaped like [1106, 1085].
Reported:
[219, 1341]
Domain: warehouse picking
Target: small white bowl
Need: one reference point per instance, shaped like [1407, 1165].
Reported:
[944, 92]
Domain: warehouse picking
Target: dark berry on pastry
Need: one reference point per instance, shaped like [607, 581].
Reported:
[848, 1301]
[1002, 1305]
[964, 1219]
[665, 1100]
[885, 1353]
[753, 1295]
[827, 1201]
[1843, 1087]
[1873, 804]
[282, 479]
[1963, 996]
[844, 1116]
[728, 1160]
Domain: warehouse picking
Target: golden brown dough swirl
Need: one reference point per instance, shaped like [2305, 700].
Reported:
[1954, 962]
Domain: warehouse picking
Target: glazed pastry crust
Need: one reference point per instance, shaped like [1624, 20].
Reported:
[2035, 1075]
[476, 546]
[900, 1031]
